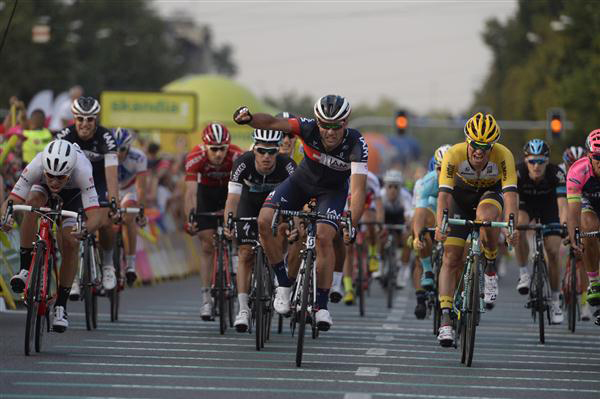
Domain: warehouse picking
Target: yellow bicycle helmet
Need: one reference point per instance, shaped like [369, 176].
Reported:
[482, 129]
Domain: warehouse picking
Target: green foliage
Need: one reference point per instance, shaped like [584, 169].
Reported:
[102, 45]
[547, 55]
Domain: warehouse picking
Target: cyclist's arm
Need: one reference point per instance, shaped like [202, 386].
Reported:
[446, 184]
[231, 205]
[94, 219]
[562, 209]
[11, 197]
[266, 121]
[419, 220]
[561, 194]
[189, 200]
[444, 202]
[112, 178]
[140, 186]
[511, 203]
[573, 218]
[379, 210]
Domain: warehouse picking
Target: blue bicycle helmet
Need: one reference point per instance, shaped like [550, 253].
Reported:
[123, 137]
[536, 147]
[431, 165]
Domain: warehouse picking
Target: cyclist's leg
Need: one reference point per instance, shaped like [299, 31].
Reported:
[245, 265]
[591, 255]
[348, 274]
[371, 241]
[337, 291]
[552, 244]
[522, 254]
[405, 268]
[490, 209]
[426, 218]
[452, 263]
[37, 197]
[129, 199]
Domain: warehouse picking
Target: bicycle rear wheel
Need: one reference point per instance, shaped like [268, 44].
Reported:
[306, 282]
[573, 295]
[472, 310]
[33, 296]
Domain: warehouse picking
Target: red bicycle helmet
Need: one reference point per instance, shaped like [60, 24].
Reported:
[216, 134]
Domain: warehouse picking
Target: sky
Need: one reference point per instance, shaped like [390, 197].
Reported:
[424, 55]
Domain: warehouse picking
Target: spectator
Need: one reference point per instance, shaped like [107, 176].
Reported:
[17, 114]
[64, 113]
[37, 136]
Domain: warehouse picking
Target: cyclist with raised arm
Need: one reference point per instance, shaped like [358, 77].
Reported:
[542, 192]
[425, 194]
[133, 170]
[207, 170]
[583, 201]
[477, 179]
[98, 144]
[61, 169]
[254, 175]
[334, 154]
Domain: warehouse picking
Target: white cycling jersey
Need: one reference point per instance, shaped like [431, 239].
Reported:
[404, 201]
[81, 178]
[135, 164]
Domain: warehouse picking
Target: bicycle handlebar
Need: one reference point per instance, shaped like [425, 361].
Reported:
[44, 211]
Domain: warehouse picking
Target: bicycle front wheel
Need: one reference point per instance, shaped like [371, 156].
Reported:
[303, 314]
[540, 300]
[33, 296]
[360, 281]
[259, 303]
[390, 281]
[573, 295]
[43, 320]
[472, 310]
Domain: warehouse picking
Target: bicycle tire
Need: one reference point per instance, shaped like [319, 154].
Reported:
[573, 296]
[473, 311]
[390, 283]
[33, 293]
[221, 290]
[94, 310]
[462, 336]
[113, 295]
[540, 301]
[304, 306]
[360, 282]
[259, 273]
[437, 315]
[42, 322]
[86, 282]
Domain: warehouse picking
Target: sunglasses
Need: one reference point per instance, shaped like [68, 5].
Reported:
[55, 177]
[479, 146]
[595, 157]
[81, 119]
[537, 161]
[288, 135]
[332, 126]
[270, 151]
[218, 148]
[123, 149]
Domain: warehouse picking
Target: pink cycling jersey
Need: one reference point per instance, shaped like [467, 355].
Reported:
[581, 181]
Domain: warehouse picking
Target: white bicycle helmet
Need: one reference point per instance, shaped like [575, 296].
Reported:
[85, 106]
[267, 136]
[332, 108]
[59, 158]
[393, 176]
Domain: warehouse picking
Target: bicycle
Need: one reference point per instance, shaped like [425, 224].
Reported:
[469, 307]
[119, 254]
[222, 286]
[389, 262]
[304, 291]
[433, 299]
[261, 289]
[37, 294]
[539, 289]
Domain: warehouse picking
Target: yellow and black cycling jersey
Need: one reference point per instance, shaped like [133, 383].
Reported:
[499, 172]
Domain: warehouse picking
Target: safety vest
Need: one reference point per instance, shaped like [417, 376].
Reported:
[35, 143]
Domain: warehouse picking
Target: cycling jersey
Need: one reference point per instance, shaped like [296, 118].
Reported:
[457, 171]
[329, 169]
[80, 184]
[426, 191]
[372, 191]
[199, 169]
[582, 183]
[253, 187]
[551, 186]
[399, 210]
[135, 164]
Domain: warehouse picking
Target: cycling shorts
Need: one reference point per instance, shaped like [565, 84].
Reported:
[209, 199]
[294, 193]
[247, 231]
[546, 213]
[465, 207]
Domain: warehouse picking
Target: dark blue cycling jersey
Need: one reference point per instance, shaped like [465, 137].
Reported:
[329, 169]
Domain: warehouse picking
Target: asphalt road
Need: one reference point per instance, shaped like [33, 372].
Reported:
[161, 349]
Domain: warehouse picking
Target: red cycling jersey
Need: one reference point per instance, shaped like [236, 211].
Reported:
[197, 167]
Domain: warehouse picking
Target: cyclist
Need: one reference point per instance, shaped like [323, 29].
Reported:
[542, 192]
[98, 144]
[373, 212]
[207, 170]
[334, 154]
[254, 175]
[477, 177]
[290, 145]
[398, 208]
[583, 198]
[133, 169]
[61, 169]
[570, 155]
[425, 193]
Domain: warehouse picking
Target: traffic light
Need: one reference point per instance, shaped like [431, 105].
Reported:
[401, 122]
[556, 123]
